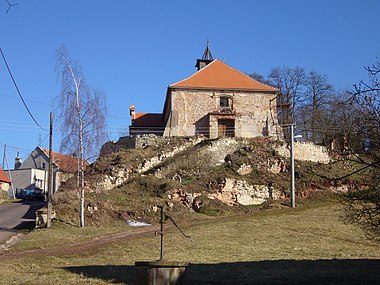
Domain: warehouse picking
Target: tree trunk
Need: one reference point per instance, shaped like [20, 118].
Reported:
[80, 188]
[81, 155]
[81, 170]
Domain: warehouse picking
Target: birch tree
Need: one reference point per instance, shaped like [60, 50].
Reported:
[81, 115]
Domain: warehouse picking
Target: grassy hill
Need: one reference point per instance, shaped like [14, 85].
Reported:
[130, 183]
[269, 243]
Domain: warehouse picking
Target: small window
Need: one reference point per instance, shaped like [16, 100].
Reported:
[38, 183]
[43, 165]
[224, 102]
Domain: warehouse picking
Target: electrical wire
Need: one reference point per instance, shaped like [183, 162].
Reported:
[30, 101]
[18, 91]
[16, 124]
[19, 148]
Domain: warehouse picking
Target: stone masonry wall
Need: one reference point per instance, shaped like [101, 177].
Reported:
[131, 142]
[255, 113]
[306, 151]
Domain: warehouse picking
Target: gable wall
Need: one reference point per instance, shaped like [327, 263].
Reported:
[190, 109]
[36, 159]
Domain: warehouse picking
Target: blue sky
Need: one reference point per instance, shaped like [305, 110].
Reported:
[133, 49]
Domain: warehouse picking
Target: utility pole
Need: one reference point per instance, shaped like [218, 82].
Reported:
[292, 170]
[10, 177]
[5, 148]
[50, 174]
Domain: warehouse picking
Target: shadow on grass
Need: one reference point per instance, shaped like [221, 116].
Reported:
[337, 271]
[111, 273]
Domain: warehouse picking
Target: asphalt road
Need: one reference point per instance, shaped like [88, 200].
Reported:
[17, 216]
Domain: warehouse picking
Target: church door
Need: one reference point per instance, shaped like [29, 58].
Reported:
[226, 128]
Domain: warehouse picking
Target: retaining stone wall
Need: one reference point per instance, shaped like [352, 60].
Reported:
[306, 151]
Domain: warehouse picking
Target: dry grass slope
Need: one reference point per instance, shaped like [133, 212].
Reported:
[191, 171]
[306, 245]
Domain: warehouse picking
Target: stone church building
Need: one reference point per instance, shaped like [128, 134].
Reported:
[216, 101]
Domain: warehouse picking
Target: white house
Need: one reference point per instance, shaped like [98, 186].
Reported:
[32, 174]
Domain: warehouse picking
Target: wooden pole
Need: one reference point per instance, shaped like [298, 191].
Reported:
[5, 148]
[10, 177]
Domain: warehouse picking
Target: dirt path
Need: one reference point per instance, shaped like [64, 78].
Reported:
[83, 247]
[88, 246]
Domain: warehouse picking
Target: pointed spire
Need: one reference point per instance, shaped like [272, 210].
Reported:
[207, 54]
[206, 58]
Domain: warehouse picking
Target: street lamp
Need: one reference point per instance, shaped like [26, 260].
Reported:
[293, 178]
[292, 169]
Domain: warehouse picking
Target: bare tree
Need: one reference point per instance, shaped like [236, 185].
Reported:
[338, 122]
[290, 81]
[362, 207]
[82, 116]
[367, 96]
[317, 93]
[260, 78]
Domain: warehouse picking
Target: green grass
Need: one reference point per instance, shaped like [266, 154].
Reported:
[272, 247]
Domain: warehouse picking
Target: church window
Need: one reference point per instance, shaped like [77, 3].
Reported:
[224, 102]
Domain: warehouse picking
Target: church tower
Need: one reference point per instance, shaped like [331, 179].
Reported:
[206, 58]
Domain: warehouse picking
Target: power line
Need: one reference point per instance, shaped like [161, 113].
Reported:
[17, 121]
[40, 143]
[18, 148]
[119, 117]
[30, 101]
[16, 124]
[20, 129]
[18, 91]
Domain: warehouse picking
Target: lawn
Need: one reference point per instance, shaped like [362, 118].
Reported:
[308, 244]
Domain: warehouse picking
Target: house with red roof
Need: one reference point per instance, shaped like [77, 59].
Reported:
[216, 101]
[5, 182]
[32, 174]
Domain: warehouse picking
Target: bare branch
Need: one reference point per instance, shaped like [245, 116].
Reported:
[362, 207]
[10, 5]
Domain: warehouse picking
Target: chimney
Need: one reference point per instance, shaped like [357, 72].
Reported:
[18, 162]
[132, 112]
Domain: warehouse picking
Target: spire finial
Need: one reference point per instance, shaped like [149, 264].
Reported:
[207, 54]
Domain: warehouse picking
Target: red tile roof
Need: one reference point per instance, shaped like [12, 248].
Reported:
[218, 75]
[148, 119]
[66, 163]
[4, 177]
